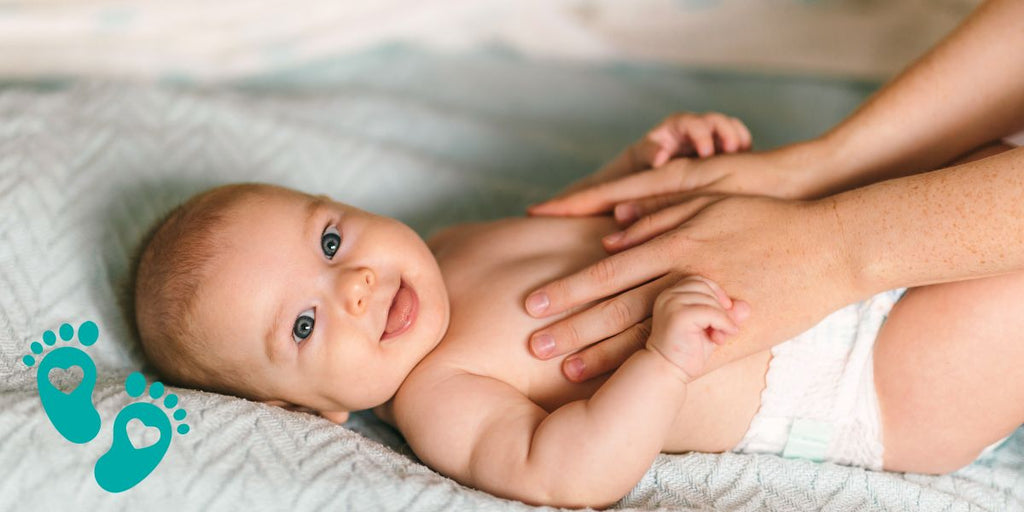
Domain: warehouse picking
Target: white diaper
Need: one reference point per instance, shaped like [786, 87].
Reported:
[819, 402]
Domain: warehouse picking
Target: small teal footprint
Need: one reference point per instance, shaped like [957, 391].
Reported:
[125, 465]
[72, 414]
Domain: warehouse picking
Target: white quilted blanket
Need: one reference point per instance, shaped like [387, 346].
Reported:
[86, 169]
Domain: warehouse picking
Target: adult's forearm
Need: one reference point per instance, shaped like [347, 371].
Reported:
[967, 91]
[957, 223]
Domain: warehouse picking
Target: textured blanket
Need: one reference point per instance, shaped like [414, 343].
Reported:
[85, 170]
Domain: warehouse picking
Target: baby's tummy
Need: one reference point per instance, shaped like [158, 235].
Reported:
[719, 407]
[715, 417]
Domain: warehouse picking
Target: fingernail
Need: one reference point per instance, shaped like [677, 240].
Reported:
[574, 367]
[626, 212]
[614, 238]
[537, 303]
[543, 345]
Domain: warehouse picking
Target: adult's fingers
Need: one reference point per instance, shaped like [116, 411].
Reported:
[598, 322]
[605, 277]
[628, 212]
[740, 311]
[602, 197]
[657, 223]
[652, 205]
[608, 355]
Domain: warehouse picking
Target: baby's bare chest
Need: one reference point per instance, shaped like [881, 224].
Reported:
[488, 274]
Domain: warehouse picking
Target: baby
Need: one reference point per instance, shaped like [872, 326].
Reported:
[300, 301]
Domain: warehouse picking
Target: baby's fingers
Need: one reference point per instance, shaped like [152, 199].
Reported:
[658, 147]
[676, 299]
[738, 310]
[701, 136]
[728, 138]
[745, 139]
[703, 320]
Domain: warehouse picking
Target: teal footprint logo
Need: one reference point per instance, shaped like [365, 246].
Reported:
[74, 416]
[125, 464]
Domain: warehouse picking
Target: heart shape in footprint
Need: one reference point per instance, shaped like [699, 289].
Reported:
[141, 435]
[68, 378]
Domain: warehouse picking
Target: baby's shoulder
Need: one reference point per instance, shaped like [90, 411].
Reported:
[468, 230]
[442, 383]
[456, 233]
[431, 372]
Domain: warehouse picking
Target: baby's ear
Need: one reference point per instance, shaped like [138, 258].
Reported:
[338, 417]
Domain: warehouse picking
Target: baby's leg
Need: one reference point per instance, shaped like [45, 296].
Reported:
[949, 370]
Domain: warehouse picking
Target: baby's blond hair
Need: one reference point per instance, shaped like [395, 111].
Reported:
[168, 276]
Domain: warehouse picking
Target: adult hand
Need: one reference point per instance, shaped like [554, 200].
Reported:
[784, 258]
[633, 189]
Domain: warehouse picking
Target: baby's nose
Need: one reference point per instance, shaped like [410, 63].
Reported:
[357, 289]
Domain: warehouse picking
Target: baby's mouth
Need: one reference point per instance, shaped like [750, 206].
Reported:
[403, 311]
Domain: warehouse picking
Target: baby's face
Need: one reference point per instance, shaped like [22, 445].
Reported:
[328, 306]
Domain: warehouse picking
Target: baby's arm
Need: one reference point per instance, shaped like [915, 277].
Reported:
[486, 434]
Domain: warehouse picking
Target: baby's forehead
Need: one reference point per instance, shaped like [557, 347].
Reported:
[267, 197]
[254, 249]
[256, 213]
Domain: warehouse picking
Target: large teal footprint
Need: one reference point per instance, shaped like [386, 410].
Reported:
[124, 465]
[72, 414]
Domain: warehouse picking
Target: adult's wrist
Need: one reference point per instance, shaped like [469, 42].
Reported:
[863, 266]
[813, 168]
[842, 266]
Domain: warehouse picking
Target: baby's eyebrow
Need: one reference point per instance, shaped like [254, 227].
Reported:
[312, 207]
[275, 327]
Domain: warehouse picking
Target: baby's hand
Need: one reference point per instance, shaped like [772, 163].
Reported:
[691, 317]
[690, 134]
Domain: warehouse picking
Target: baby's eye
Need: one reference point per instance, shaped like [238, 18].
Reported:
[330, 241]
[303, 325]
